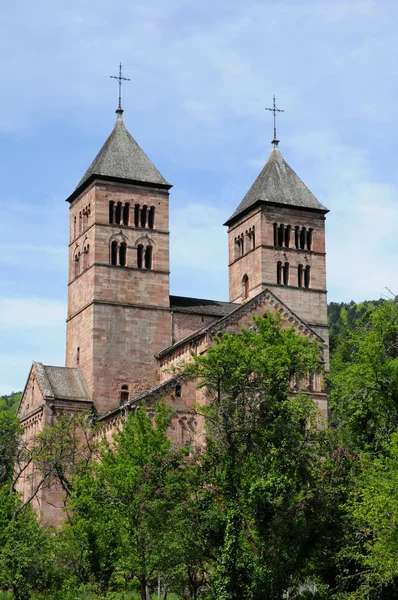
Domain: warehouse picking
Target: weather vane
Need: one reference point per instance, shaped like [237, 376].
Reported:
[120, 78]
[275, 110]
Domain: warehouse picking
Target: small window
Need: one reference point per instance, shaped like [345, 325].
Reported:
[275, 234]
[85, 256]
[151, 217]
[297, 236]
[74, 227]
[124, 393]
[300, 275]
[309, 239]
[126, 214]
[281, 235]
[77, 356]
[245, 286]
[148, 257]
[118, 213]
[279, 273]
[140, 256]
[286, 274]
[114, 253]
[77, 264]
[307, 276]
[287, 236]
[111, 211]
[143, 216]
[137, 215]
[122, 254]
[178, 390]
[303, 236]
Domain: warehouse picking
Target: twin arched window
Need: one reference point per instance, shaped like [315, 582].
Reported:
[144, 256]
[282, 273]
[245, 242]
[304, 276]
[119, 213]
[124, 393]
[302, 237]
[118, 253]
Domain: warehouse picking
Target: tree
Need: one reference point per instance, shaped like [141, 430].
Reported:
[123, 510]
[263, 452]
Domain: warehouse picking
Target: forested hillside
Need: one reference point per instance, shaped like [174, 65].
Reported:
[10, 403]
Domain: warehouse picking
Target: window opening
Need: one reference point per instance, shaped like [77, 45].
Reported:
[140, 255]
[279, 273]
[126, 214]
[80, 222]
[114, 253]
[286, 274]
[122, 254]
[275, 234]
[111, 211]
[297, 237]
[245, 286]
[74, 227]
[124, 393]
[77, 264]
[281, 234]
[151, 217]
[309, 239]
[78, 356]
[85, 256]
[137, 215]
[302, 238]
[143, 216]
[118, 213]
[287, 236]
[300, 275]
[178, 390]
[148, 257]
[307, 276]
[253, 239]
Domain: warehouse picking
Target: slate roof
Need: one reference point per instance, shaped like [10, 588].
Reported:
[121, 158]
[277, 184]
[201, 306]
[61, 383]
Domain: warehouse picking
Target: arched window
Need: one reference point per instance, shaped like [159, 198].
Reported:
[242, 245]
[178, 390]
[85, 219]
[297, 236]
[140, 255]
[76, 265]
[275, 234]
[309, 239]
[123, 254]
[286, 274]
[281, 235]
[148, 257]
[124, 393]
[114, 253]
[85, 256]
[111, 211]
[287, 236]
[253, 238]
[300, 275]
[151, 217]
[279, 273]
[137, 215]
[80, 222]
[307, 276]
[245, 286]
[118, 213]
[77, 356]
[126, 214]
[143, 216]
[74, 228]
[237, 248]
[303, 236]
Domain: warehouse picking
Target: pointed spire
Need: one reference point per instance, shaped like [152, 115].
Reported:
[277, 184]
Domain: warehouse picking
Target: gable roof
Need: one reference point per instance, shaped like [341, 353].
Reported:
[121, 159]
[201, 306]
[277, 184]
[250, 305]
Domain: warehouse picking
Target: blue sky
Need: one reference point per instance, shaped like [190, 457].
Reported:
[201, 75]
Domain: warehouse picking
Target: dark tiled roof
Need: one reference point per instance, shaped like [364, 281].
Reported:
[121, 158]
[201, 306]
[62, 383]
[278, 184]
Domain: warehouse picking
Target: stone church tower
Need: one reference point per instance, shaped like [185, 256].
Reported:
[276, 240]
[118, 300]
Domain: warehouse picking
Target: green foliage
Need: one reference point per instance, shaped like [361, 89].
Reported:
[10, 403]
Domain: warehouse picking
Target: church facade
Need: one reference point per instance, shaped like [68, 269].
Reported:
[125, 331]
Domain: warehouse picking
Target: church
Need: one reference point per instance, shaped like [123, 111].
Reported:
[125, 331]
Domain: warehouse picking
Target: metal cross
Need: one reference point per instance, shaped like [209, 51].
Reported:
[120, 78]
[274, 110]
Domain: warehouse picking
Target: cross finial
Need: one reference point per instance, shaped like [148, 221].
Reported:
[119, 78]
[275, 110]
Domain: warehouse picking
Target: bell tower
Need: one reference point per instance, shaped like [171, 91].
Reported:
[118, 291]
[276, 240]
